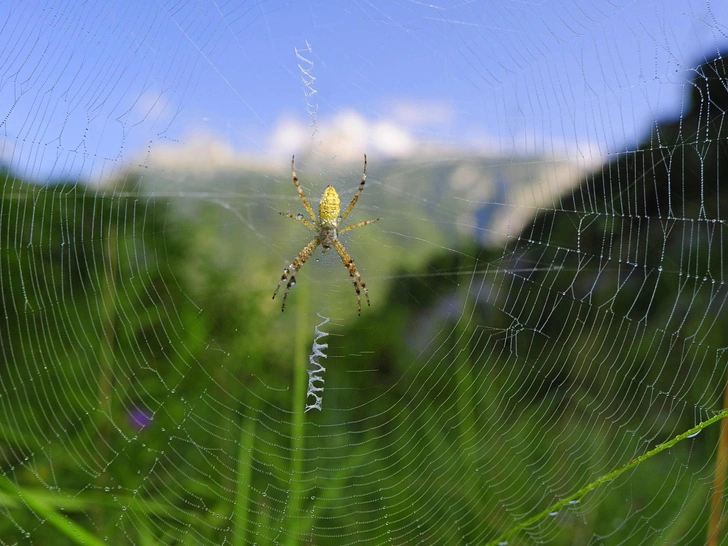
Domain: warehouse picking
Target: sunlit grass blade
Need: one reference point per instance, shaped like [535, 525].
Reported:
[578, 495]
[69, 528]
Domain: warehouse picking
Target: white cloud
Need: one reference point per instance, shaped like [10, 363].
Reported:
[202, 152]
[153, 106]
[346, 136]
[391, 139]
[7, 150]
[419, 113]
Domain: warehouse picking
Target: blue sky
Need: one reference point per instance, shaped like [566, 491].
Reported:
[87, 89]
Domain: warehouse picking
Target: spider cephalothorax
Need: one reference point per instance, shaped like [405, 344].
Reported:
[327, 231]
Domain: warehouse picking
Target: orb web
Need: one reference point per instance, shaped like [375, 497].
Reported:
[544, 360]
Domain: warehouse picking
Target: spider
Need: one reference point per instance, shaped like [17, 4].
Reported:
[327, 231]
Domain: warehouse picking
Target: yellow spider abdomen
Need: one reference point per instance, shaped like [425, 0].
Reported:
[329, 208]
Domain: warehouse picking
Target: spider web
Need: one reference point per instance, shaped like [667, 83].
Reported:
[547, 334]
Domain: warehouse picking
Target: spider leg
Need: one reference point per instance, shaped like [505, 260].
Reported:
[353, 273]
[300, 192]
[301, 219]
[289, 273]
[358, 192]
[354, 226]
